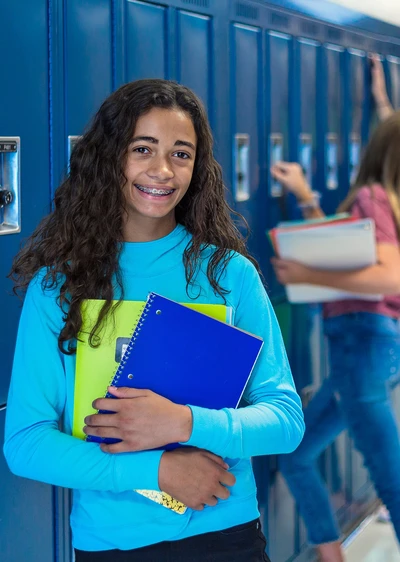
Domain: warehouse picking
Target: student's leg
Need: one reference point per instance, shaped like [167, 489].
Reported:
[365, 399]
[324, 422]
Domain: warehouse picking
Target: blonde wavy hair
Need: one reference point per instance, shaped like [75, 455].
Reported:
[381, 164]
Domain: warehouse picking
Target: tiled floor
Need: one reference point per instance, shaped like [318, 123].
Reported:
[375, 542]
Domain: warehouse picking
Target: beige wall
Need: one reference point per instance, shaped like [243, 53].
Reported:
[387, 10]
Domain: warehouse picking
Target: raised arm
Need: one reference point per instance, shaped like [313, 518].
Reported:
[378, 87]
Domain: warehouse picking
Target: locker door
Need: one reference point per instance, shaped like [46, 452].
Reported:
[87, 80]
[306, 349]
[306, 77]
[248, 119]
[88, 52]
[194, 56]
[26, 507]
[358, 118]
[26, 516]
[278, 84]
[146, 41]
[331, 133]
[356, 107]
[333, 187]
[25, 114]
[394, 80]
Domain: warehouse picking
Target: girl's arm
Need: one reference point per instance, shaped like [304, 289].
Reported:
[384, 108]
[382, 278]
[34, 445]
[272, 423]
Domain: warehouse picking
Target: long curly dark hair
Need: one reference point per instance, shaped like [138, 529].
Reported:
[80, 241]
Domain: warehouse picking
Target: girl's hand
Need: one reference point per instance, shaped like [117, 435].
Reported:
[195, 477]
[378, 81]
[290, 272]
[291, 176]
[143, 420]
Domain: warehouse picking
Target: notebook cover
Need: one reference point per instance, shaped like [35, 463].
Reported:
[95, 367]
[188, 357]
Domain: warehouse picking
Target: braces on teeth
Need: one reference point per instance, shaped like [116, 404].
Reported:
[155, 191]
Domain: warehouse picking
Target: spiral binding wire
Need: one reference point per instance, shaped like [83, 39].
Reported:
[139, 324]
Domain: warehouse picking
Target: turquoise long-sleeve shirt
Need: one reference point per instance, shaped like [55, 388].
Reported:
[107, 513]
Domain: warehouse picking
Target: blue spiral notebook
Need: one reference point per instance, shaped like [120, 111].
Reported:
[187, 357]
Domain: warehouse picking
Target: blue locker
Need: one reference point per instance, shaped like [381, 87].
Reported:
[24, 113]
[247, 117]
[306, 76]
[356, 110]
[194, 36]
[278, 87]
[146, 41]
[331, 135]
[282, 520]
[24, 103]
[358, 130]
[304, 151]
[333, 187]
[393, 64]
[88, 61]
[26, 516]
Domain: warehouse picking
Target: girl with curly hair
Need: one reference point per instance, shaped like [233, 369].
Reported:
[143, 209]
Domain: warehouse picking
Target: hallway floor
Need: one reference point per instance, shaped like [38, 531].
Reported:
[373, 542]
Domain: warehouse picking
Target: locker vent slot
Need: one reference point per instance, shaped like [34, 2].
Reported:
[245, 11]
[202, 3]
[334, 34]
[279, 20]
[309, 28]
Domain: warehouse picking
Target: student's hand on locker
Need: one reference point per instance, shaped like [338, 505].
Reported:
[291, 176]
[378, 83]
[143, 420]
[378, 87]
[195, 477]
[291, 272]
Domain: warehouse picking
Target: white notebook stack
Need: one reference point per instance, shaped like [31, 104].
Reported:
[332, 246]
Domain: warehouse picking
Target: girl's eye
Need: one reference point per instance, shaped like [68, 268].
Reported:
[141, 150]
[183, 155]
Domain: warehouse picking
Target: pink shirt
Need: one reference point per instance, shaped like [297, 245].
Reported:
[372, 202]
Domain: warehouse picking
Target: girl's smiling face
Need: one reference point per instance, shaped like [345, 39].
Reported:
[158, 170]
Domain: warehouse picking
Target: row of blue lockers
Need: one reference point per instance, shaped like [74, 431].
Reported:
[276, 85]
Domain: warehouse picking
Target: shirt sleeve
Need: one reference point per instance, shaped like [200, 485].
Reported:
[273, 421]
[35, 447]
[373, 203]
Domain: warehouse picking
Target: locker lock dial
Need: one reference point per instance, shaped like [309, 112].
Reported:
[6, 197]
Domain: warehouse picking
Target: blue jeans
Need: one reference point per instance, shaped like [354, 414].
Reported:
[364, 353]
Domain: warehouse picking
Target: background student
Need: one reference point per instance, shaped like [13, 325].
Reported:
[364, 344]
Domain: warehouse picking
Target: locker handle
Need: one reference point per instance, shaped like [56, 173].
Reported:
[72, 140]
[242, 167]
[10, 188]
[276, 155]
[331, 161]
[305, 155]
[354, 156]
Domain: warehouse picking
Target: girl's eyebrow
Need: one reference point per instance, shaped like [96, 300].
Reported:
[153, 140]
